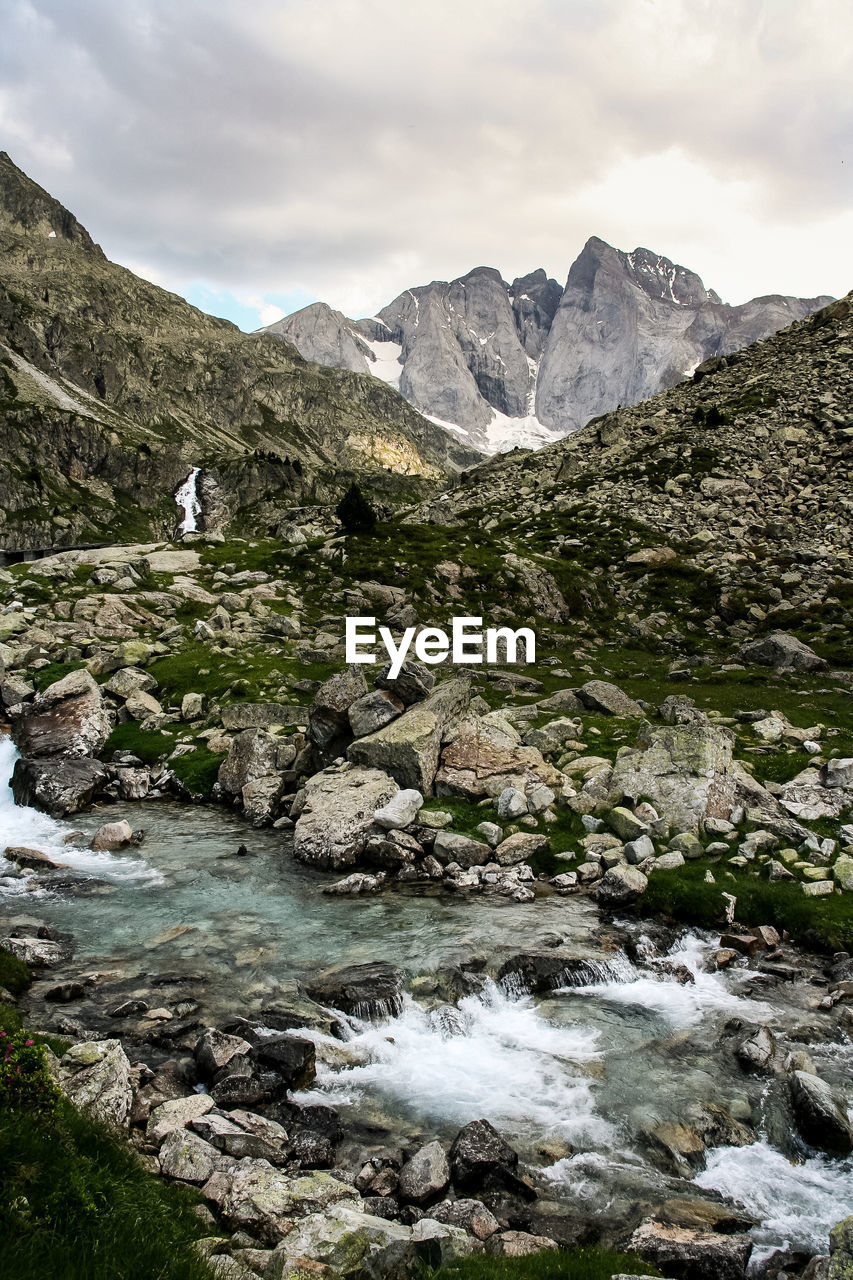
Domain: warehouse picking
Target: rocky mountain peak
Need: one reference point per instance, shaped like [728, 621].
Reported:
[26, 208]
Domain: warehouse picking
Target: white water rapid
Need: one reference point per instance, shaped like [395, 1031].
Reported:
[187, 498]
[21, 826]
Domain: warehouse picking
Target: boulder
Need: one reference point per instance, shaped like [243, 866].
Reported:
[481, 1160]
[31, 859]
[608, 699]
[328, 724]
[471, 1215]
[413, 683]
[451, 846]
[96, 1077]
[841, 1251]
[192, 706]
[176, 1113]
[839, 773]
[820, 1114]
[373, 990]
[337, 815]
[519, 848]
[517, 1244]
[400, 811]
[512, 803]
[58, 787]
[251, 756]
[425, 1177]
[372, 711]
[701, 1255]
[186, 1157]
[620, 885]
[408, 748]
[215, 1050]
[292, 1057]
[688, 773]
[69, 718]
[485, 756]
[343, 1243]
[263, 1201]
[128, 680]
[112, 836]
[439, 1244]
[782, 652]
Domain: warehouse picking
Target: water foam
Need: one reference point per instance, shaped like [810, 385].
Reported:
[493, 1058]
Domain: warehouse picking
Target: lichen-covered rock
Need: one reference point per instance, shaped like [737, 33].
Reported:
[702, 1255]
[408, 748]
[608, 699]
[69, 718]
[337, 815]
[188, 1158]
[782, 652]
[264, 1201]
[425, 1177]
[350, 1243]
[96, 1077]
[485, 757]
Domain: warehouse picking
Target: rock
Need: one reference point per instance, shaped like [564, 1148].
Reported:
[215, 1050]
[566, 882]
[31, 859]
[112, 836]
[625, 824]
[240, 716]
[688, 773]
[484, 757]
[638, 850]
[96, 1077]
[676, 1148]
[345, 1243]
[782, 652]
[263, 1201]
[188, 1158]
[328, 725]
[373, 990]
[174, 1114]
[408, 748]
[400, 811]
[621, 885]
[820, 1114]
[357, 882]
[756, 1054]
[471, 1215]
[58, 787]
[414, 682]
[439, 1244]
[292, 1057]
[450, 846]
[841, 1251]
[608, 699]
[128, 680]
[337, 816]
[372, 711]
[517, 1244]
[512, 803]
[141, 705]
[701, 1255]
[69, 718]
[481, 1160]
[491, 833]
[251, 757]
[839, 773]
[65, 993]
[37, 953]
[519, 848]
[192, 706]
[425, 1177]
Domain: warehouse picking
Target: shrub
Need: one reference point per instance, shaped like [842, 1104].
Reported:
[25, 1082]
[355, 512]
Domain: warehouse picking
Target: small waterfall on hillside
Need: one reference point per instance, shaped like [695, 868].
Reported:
[187, 498]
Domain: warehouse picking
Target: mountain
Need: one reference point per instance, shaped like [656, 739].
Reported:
[112, 389]
[528, 362]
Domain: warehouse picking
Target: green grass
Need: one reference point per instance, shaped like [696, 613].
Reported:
[54, 671]
[75, 1204]
[823, 923]
[197, 770]
[591, 1262]
[149, 745]
[15, 977]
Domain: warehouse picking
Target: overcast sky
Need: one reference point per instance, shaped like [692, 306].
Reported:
[255, 155]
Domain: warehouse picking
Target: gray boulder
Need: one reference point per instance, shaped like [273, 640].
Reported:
[370, 712]
[69, 718]
[373, 990]
[621, 884]
[96, 1077]
[425, 1177]
[608, 699]
[820, 1114]
[782, 652]
[400, 811]
[408, 748]
[329, 726]
[337, 815]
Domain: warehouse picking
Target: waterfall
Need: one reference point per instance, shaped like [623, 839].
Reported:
[187, 498]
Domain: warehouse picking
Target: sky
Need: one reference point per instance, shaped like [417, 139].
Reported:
[255, 157]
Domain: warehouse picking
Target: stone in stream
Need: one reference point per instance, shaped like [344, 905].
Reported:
[112, 836]
[425, 1177]
[293, 1057]
[757, 1052]
[373, 990]
[215, 1050]
[58, 787]
[841, 1251]
[69, 718]
[820, 1114]
[31, 859]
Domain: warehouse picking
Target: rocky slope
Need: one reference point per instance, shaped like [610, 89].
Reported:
[113, 388]
[523, 363]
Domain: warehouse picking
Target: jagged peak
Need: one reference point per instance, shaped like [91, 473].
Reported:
[26, 207]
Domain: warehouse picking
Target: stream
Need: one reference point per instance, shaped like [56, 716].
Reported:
[572, 1077]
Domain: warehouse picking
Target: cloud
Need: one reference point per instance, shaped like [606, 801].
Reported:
[348, 149]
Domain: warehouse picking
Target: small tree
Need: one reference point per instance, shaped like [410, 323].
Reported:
[355, 512]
